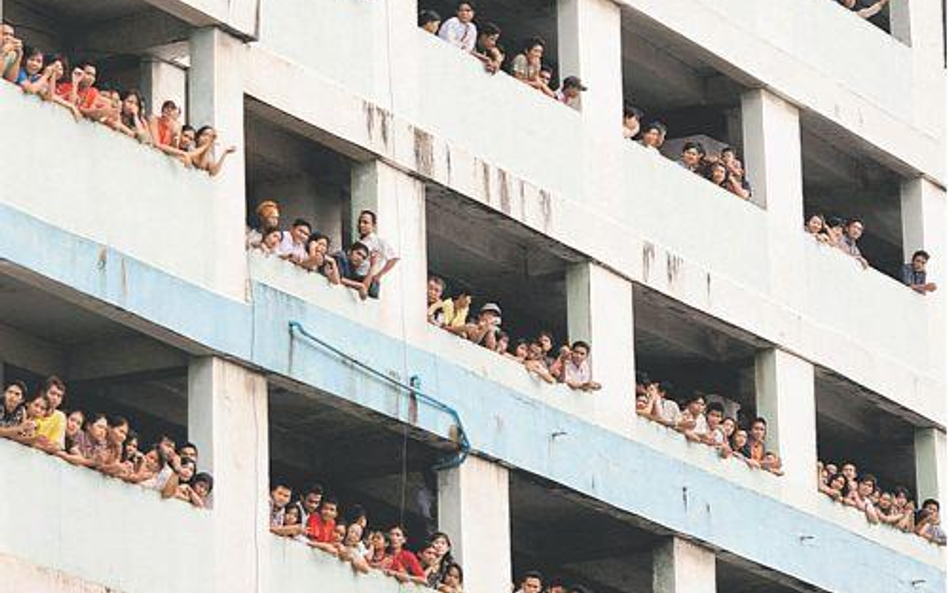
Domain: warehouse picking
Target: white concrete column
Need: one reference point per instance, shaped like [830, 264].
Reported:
[785, 387]
[589, 37]
[918, 24]
[398, 200]
[160, 81]
[931, 464]
[474, 510]
[773, 164]
[679, 566]
[395, 63]
[227, 420]
[216, 97]
[599, 311]
[923, 223]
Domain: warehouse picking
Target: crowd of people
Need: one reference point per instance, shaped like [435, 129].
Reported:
[894, 508]
[483, 42]
[570, 365]
[361, 267]
[845, 234]
[50, 77]
[864, 8]
[104, 443]
[316, 520]
[704, 422]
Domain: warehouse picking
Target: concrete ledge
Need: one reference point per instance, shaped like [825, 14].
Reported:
[23, 577]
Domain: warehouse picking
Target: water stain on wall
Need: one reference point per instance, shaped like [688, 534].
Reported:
[424, 152]
[648, 258]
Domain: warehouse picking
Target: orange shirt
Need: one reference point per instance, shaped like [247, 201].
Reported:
[165, 133]
[86, 97]
[756, 451]
[320, 531]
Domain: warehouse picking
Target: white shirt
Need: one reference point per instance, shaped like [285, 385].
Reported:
[669, 411]
[287, 246]
[378, 247]
[463, 35]
[581, 374]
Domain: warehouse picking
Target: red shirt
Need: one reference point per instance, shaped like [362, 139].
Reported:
[319, 531]
[86, 97]
[165, 133]
[405, 561]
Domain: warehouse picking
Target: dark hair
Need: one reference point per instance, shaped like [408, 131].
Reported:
[853, 221]
[314, 489]
[428, 16]
[116, 421]
[489, 29]
[729, 149]
[921, 253]
[54, 381]
[283, 485]
[437, 280]
[759, 419]
[189, 445]
[695, 397]
[316, 236]
[301, 222]
[375, 219]
[439, 534]
[715, 407]
[463, 2]
[533, 42]
[834, 221]
[581, 344]
[187, 127]
[206, 478]
[657, 126]
[632, 111]
[455, 566]
[666, 386]
[902, 490]
[355, 512]
[359, 246]
[641, 378]
[868, 478]
[19, 384]
[30, 51]
[531, 574]
[692, 145]
[58, 57]
[931, 501]
[203, 129]
[271, 229]
[547, 68]
[127, 120]
[169, 104]
[91, 418]
[328, 500]
[186, 461]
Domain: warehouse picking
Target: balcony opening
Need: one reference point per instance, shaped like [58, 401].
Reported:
[736, 575]
[855, 425]
[303, 171]
[670, 80]
[518, 22]
[696, 353]
[558, 533]
[362, 459]
[494, 259]
[844, 179]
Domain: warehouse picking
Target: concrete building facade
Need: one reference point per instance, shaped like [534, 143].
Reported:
[127, 274]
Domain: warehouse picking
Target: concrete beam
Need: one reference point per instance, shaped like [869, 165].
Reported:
[931, 464]
[29, 352]
[680, 566]
[123, 356]
[679, 81]
[133, 34]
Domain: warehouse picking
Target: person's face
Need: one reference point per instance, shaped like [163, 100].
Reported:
[488, 317]
[55, 396]
[377, 540]
[831, 469]
[900, 499]
[578, 355]
[718, 174]
[545, 77]
[167, 448]
[432, 26]
[837, 483]
[74, 423]
[535, 53]
[365, 225]
[534, 352]
[521, 351]
[885, 501]
[357, 256]
[328, 512]
[130, 105]
[189, 453]
[300, 233]
[354, 534]
[434, 292]
[453, 577]
[546, 343]
[918, 263]
[441, 546]
[465, 13]
[272, 239]
[99, 430]
[714, 418]
[428, 556]
[652, 137]
[696, 407]
[532, 585]
[187, 138]
[281, 496]
[37, 408]
[271, 220]
[855, 230]
[740, 438]
[503, 343]
[187, 472]
[89, 76]
[759, 431]
[396, 537]
[118, 434]
[12, 397]
[490, 41]
[311, 502]
[131, 445]
[866, 488]
[6, 34]
[641, 401]
[34, 64]
[206, 137]
[835, 231]
[849, 470]
[735, 167]
[201, 489]
[728, 425]
[814, 224]
[320, 246]
[151, 461]
[691, 157]
[930, 507]
[339, 533]
[170, 113]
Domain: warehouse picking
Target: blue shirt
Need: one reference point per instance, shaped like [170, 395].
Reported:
[910, 277]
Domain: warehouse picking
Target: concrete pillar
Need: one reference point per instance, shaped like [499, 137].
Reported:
[160, 81]
[599, 311]
[786, 400]
[773, 165]
[227, 420]
[395, 71]
[919, 25]
[923, 223]
[474, 510]
[398, 201]
[931, 461]
[679, 566]
[590, 46]
[216, 97]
